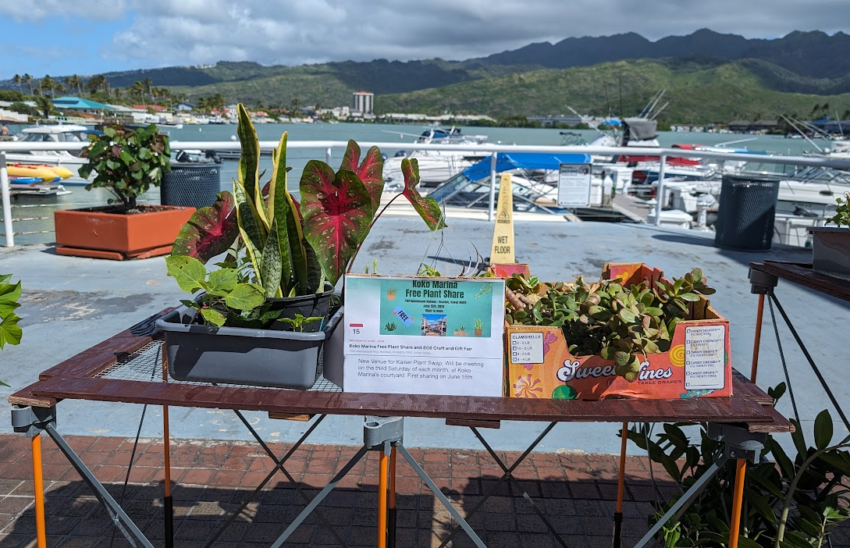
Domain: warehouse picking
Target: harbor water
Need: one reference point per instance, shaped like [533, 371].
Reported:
[34, 215]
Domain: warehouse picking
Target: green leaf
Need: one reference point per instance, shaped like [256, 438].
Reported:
[622, 359]
[652, 311]
[627, 316]
[249, 161]
[10, 332]
[9, 295]
[245, 297]
[759, 504]
[222, 282]
[823, 430]
[213, 316]
[690, 297]
[188, 271]
[250, 227]
[272, 264]
[427, 208]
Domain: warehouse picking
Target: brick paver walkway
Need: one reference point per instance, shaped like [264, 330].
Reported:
[576, 491]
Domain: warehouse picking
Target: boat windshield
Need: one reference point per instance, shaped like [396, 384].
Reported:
[460, 191]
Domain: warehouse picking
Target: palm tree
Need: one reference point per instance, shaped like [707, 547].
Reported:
[17, 79]
[28, 81]
[44, 105]
[75, 82]
[137, 90]
[47, 83]
[61, 89]
[95, 83]
[148, 85]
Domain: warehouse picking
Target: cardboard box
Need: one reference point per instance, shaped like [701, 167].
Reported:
[698, 364]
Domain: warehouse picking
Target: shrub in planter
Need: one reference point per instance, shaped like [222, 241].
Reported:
[831, 245]
[127, 163]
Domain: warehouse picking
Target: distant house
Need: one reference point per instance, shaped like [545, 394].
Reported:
[155, 108]
[184, 107]
[739, 125]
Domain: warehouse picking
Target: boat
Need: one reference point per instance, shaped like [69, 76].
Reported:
[36, 186]
[437, 166]
[60, 133]
[39, 171]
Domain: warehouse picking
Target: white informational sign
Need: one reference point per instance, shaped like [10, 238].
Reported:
[526, 347]
[705, 357]
[574, 185]
[435, 336]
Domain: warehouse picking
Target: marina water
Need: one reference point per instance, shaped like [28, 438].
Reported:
[38, 228]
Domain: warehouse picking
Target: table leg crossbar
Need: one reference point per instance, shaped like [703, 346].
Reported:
[385, 434]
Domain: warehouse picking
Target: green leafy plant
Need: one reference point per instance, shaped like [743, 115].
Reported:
[842, 212]
[299, 321]
[619, 323]
[479, 323]
[225, 298]
[289, 248]
[10, 331]
[127, 162]
[390, 326]
[788, 503]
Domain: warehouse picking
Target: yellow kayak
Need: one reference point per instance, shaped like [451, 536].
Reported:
[60, 171]
[27, 170]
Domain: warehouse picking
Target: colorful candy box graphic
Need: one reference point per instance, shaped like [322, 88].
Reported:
[698, 364]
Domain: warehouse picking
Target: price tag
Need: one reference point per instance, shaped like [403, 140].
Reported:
[526, 347]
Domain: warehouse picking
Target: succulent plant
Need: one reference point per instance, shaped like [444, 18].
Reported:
[391, 293]
[605, 318]
[390, 326]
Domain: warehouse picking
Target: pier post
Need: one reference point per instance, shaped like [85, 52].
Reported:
[492, 209]
[659, 191]
[7, 204]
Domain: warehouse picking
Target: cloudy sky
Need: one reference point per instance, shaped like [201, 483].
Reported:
[61, 37]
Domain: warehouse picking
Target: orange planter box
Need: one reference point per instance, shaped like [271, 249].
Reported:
[120, 236]
[698, 364]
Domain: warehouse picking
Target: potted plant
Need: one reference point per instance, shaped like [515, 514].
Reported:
[10, 331]
[831, 244]
[127, 163]
[283, 260]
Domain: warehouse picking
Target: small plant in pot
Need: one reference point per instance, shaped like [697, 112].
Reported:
[127, 163]
[283, 258]
[831, 244]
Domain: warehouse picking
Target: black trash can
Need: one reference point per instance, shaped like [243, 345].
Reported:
[191, 184]
[747, 212]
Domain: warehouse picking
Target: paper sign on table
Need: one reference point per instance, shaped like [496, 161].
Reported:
[436, 336]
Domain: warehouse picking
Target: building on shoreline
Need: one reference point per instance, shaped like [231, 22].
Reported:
[364, 102]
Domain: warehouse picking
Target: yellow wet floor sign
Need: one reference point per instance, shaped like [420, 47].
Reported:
[503, 233]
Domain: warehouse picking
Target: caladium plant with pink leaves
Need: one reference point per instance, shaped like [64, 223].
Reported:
[286, 248]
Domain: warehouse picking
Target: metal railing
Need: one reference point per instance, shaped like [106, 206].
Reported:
[329, 146]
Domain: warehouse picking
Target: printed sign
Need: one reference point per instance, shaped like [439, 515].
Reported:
[574, 185]
[435, 336]
[705, 357]
[527, 348]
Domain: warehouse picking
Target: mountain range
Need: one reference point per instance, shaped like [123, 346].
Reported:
[755, 76]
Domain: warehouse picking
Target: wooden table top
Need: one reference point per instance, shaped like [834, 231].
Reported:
[76, 378]
[802, 274]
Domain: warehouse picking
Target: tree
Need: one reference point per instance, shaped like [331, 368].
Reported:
[47, 83]
[137, 90]
[95, 83]
[148, 86]
[61, 89]
[44, 105]
[75, 82]
[17, 79]
[28, 81]
[295, 102]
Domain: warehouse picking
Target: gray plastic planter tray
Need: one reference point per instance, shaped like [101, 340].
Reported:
[256, 357]
[831, 251]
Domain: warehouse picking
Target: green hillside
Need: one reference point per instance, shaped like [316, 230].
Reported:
[698, 91]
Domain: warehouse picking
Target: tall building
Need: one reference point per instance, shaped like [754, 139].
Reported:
[364, 102]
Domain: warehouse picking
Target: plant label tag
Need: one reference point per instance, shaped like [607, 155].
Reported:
[705, 357]
[527, 348]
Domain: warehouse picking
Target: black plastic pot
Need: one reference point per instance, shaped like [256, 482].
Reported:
[309, 306]
[831, 251]
[255, 357]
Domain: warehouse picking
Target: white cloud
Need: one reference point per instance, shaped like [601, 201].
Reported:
[172, 32]
[35, 10]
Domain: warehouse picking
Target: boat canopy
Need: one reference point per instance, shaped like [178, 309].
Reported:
[523, 160]
[638, 129]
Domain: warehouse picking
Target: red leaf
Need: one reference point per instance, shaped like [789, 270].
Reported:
[427, 208]
[210, 231]
[370, 171]
[337, 210]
